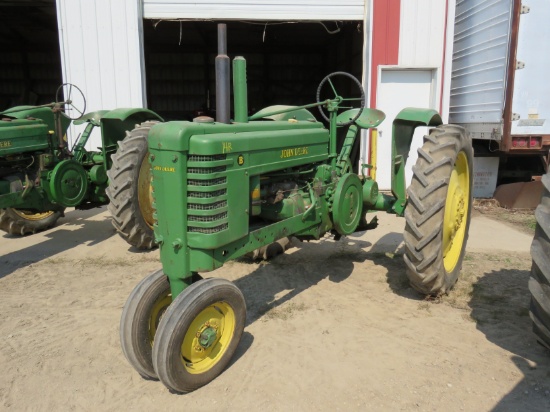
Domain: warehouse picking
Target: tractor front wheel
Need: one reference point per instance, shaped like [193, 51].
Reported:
[539, 283]
[23, 222]
[439, 210]
[129, 189]
[198, 334]
[140, 319]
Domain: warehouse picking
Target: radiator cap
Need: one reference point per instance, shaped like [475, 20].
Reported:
[203, 119]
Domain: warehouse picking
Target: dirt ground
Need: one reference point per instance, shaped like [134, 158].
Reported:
[331, 326]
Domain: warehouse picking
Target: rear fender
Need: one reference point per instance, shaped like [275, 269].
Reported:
[404, 125]
[114, 125]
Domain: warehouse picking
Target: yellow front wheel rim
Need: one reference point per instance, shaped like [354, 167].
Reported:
[158, 309]
[145, 191]
[456, 212]
[28, 215]
[208, 337]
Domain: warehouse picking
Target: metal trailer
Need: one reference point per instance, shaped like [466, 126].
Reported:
[499, 90]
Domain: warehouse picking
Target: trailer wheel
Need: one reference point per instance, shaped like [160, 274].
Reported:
[139, 321]
[539, 282]
[23, 222]
[129, 189]
[198, 334]
[439, 210]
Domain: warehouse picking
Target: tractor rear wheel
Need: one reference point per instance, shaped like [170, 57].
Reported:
[439, 210]
[199, 334]
[22, 222]
[539, 282]
[129, 189]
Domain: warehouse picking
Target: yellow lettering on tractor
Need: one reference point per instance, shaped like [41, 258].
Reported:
[5, 143]
[226, 147]
[164, 169]
[297, 151]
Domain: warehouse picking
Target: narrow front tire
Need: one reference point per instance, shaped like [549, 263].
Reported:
[140, 319]
[199, 334]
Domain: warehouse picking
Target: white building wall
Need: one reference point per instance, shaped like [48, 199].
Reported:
[255, 9]
[421, 33]
[421, 39]
[416, 80]
[101, 44]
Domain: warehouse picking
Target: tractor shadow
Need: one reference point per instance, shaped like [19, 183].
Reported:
[499, 306]
[388, 252]
[71, 231]
[285, 276]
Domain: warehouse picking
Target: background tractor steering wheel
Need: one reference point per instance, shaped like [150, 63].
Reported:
[74, 100]
[330, 89]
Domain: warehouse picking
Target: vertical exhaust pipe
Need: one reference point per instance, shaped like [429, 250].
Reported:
[222, 77]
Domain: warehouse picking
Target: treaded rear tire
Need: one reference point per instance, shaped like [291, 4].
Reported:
[123, 190]
[14, 224]
[539, 282]
[425, 212]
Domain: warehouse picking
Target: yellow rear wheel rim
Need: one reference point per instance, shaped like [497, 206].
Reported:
[145, 191]
[456, 212]
[216, 322]
[28, 215]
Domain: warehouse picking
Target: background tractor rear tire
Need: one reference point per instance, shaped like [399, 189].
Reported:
[22, 222]
[129, 189]
[539, 282]
[439, 210]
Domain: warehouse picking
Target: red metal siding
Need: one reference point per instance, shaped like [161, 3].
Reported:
[385, 38]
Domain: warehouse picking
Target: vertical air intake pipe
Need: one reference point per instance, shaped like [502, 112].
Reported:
[239, 90]
[222, 77]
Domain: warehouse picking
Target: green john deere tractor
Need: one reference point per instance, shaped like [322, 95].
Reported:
[224, 188]
[40, 175]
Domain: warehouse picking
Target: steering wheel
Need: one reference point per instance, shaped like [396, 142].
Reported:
[73, 101]
[339, 99]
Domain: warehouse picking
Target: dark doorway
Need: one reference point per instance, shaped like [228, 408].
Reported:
[285, 61]
[30, 72]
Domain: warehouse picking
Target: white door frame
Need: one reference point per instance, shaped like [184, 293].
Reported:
[383, 163]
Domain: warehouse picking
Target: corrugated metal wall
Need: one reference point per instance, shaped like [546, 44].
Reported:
[479, 61]
[255, 9]
[101, 52]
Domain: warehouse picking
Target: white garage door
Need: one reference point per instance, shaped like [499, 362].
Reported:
[397, 89]
[255, 9]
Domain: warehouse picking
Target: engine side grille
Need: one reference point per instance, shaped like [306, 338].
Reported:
[208, 218]
[207, 195]
[205, 158]
[208, 230]
[207, 209]
[210, 182]
[212, 206]
[205, 170]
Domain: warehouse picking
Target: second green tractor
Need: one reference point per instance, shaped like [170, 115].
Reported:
[41, 176]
